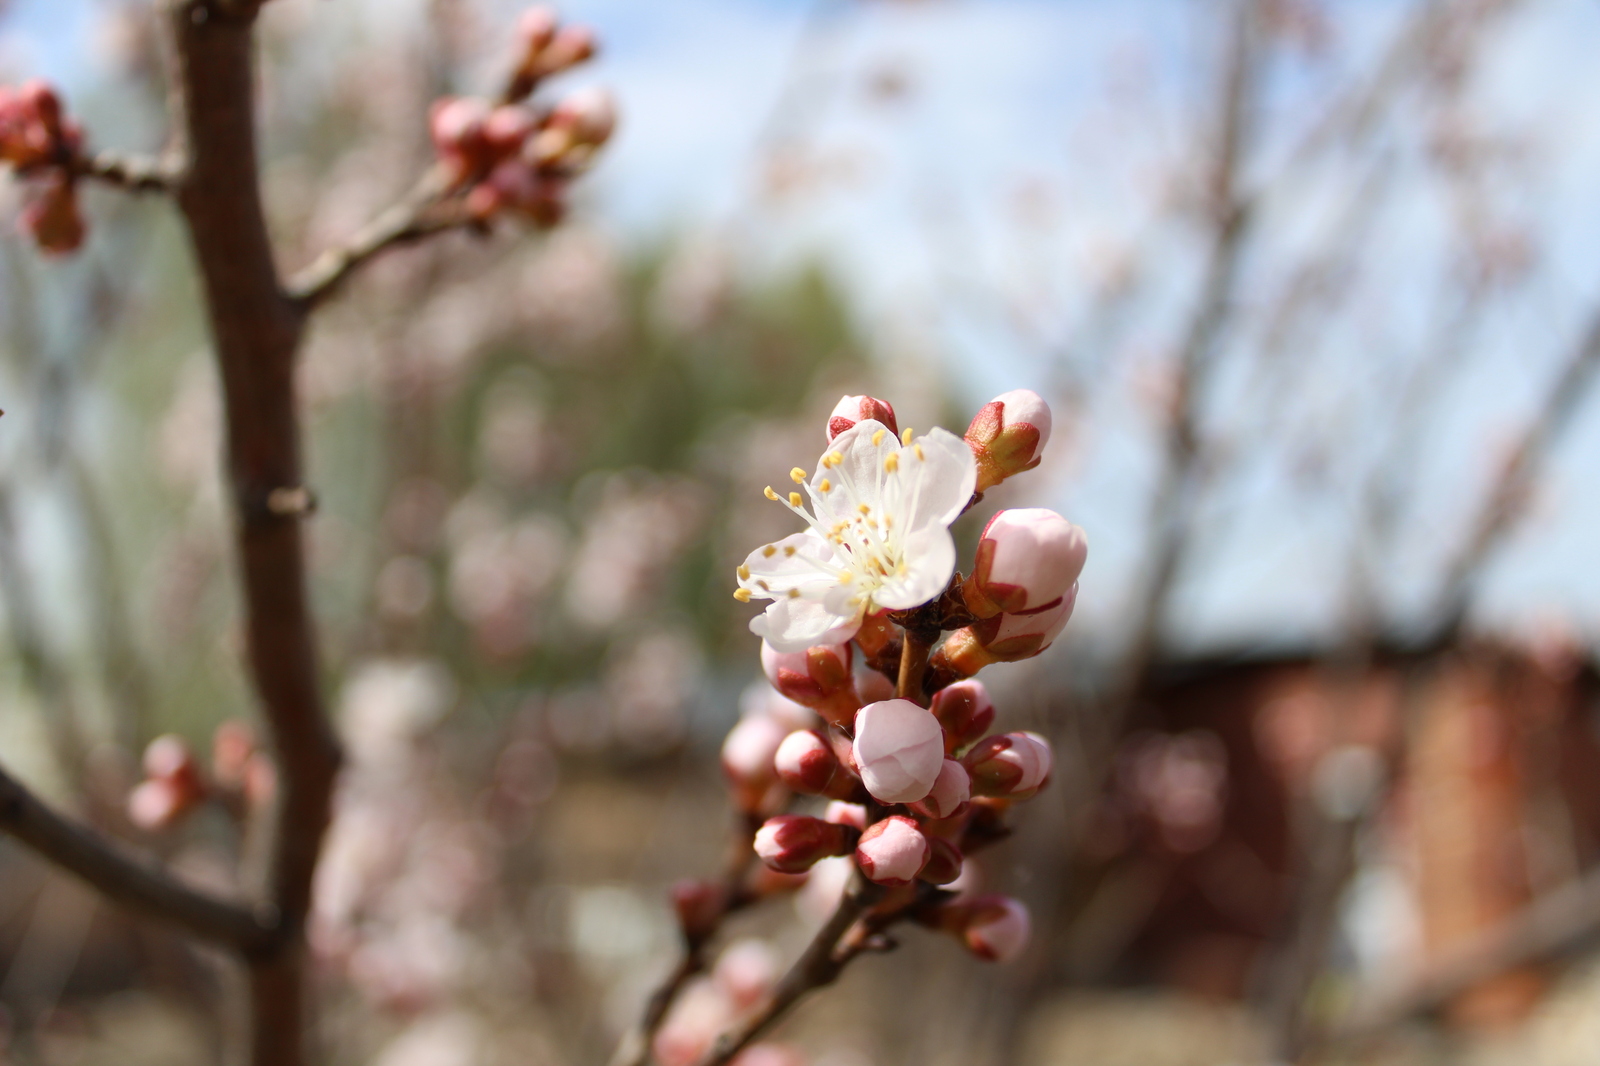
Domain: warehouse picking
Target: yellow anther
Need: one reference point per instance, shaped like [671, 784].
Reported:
[826, 486]
[891, 462]
[742, 595]
[769, 551]
[788, 550]
[794, 594]
[797, 476]
[769, 493]
[794, 499]
[845, 577]
[835, 458]
[877, 438]
[888, 520]
[743, 572]
[905, 435]
[918, 449]
[864, 509]
[764, 586]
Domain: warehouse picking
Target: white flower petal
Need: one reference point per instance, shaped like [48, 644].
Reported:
[945, 477]
[799, 561]
[797, 624]
[930, 557]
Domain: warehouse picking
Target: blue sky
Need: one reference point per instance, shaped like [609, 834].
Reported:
[973, 217]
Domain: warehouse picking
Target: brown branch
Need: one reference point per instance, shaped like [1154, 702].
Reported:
[127, 880]
[422, 213]
[820, 966]
[135, 173]
[256, 329]
[1561, 922]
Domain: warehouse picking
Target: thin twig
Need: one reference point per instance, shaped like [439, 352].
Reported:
[421, 213]
[124, 879]
[818, 967]
[135, 173]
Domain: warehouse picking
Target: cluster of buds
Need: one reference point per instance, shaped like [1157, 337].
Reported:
[899, 748]
[511, 155]
[175, 784]
[39, 142]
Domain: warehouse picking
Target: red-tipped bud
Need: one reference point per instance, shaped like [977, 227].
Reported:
[818, 677]
[589, 116]
[994, 928]
[1027, 558]
[747, 761]
[506, 128]
[52, 218]
[898, 750]
[944, 862]
[156, 804]
[172, 787]
[852, 409]
[1005, 638]
[700, 906]
[892, 852]
[536, 28]
[456, 126]
[951, 791]
[1008, 435]
[792, 843]
[1011, 766]
[807, 763]
[841, 813]
[966, 712]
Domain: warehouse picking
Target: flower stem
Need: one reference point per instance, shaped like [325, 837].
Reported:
[913, 663]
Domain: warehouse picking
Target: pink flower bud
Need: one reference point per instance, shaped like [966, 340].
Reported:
[746, 971]
[456, 126]
[1014, 766]
[536, 27]
[818, 677]
[52, 218]
[841, 813]
[951, 791]
[966, 712]
[1005, 638]
[791, 843]
[807, 763]
[1028, 558]
[899, 749]
[852, 409]
[1008, 435]
[994, 928]
[892, 852]
[589, 116]
[505, 129]
[700, 906]
[155, 804]
[747, 759]
[944, 862]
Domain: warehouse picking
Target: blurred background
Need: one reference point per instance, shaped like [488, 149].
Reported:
[1312, 289]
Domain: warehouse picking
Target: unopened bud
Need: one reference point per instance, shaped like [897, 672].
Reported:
[172, 787]
[965, 711]
[747, 761]
[950, 793]
[892, 852]
[536, 27]
[456, 126]
[52, 218]
[156, 804]
[1005, 638]
[898, 750]
[505, 129]
[1027, 558]
[589, 116]
[1008, 435]
[944, 862]
[807, 763]
[994, 928]
[852, 409]
[746, 972]
[818, 677]
[841, 813]
[700, 906]
[792, 843]
[1011, 766]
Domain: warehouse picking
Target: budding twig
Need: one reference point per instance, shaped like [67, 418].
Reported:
[135, 173]
[124, 879]
[421, 213]
[820, 966]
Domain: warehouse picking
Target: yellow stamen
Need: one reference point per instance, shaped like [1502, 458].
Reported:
[797, 476]
[864, 509]
[788, 551]
[877, 438]
[769, 551]
[794, 499]
[764, 586]
[891, 462]
[905, 435]
[825, 487]
[918, 449]
[835, 458]
[794, 594]
[845, 577]
[768, 493]
[742, 595]
[744, 572]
